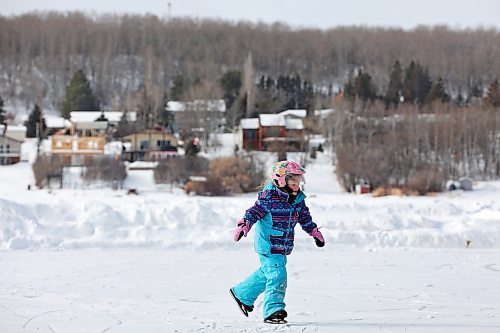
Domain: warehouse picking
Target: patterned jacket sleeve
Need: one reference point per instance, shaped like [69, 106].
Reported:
[305, 219]
[258, 210]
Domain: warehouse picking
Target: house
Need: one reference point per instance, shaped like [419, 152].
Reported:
[87, 135]
[93, 123]
[16, 132]
[271, 131]
[198, 115]
[149, 144]
[10, 150]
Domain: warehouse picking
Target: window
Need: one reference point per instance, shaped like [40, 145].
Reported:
[273, 131]
[250, 134]
[163, 144]
[144, 145]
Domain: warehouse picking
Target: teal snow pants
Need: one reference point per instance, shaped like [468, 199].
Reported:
[270, 278]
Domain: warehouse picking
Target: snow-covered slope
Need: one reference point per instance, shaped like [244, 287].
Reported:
[168, 218]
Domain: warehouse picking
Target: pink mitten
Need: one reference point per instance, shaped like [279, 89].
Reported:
[241, 230]
[318, 237]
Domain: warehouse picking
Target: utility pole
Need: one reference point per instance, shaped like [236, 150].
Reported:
[169, 13]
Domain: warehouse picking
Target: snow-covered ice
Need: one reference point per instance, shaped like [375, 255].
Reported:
[99, 260]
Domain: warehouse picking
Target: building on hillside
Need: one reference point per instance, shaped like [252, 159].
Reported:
[273, 131]
[149, 145]
[16, 132]
[10, 150]
[93, 123]
[197, 116]
[87, 135]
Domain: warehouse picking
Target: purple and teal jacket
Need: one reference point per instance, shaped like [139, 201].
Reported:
[275, 219]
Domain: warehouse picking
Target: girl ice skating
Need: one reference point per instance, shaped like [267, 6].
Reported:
[279, 207]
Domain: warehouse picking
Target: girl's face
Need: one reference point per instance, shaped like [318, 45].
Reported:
[295, 182]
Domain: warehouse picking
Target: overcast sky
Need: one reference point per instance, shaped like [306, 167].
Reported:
[322, 14]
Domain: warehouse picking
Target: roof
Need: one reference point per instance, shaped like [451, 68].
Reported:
[155, 133]
[272, 120]
[56, 122]
[295, 124]
[5, 138]
[249, 123]
[197, 105]
[323, 113]
[13, 128]
[294, 112]
[92, 116]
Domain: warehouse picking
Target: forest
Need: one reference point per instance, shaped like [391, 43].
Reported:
[413, 107]
[122, 54]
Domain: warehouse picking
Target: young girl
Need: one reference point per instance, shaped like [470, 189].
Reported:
[279, 207]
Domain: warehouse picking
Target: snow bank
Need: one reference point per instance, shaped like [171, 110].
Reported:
[168, 218]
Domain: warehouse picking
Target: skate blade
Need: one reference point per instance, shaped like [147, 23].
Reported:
[245, 313]
[275, 321]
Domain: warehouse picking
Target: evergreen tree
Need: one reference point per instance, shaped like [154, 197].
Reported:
[2, 112]
[230, 83]
[179, 87]
[79, 96]
[437, 92]
[475, 89]
[145, 114]
[361, 87]
[492, 98]
[395, 88]
[33, 123]
[416, 84]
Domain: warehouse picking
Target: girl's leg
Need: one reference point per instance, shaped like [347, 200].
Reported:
[274, 269]
[248, 290]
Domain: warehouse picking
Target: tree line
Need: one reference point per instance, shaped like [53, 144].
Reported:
[128, 56]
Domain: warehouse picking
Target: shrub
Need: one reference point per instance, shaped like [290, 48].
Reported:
[105, 169]
[178, 169]
[428, 179]
[45, 166]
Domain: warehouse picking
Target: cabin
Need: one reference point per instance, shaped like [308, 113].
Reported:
[149, 145]
[271, 132]
[10, 150]
[88, 132]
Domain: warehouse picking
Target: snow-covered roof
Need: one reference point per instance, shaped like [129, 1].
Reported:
[323, 113]
[271, 120]
[249, 123]
[13, 128]
[175, 106]
[295, 124]
[56, 122]
[197, 105]
[91, 116]
[293, 112]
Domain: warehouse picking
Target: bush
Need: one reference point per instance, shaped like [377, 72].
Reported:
[105, 169]
[45, 166]
[228, 175]
[177, 170]
[428, 179]
[357, 165]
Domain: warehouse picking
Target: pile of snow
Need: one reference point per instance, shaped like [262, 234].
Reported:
[168, 218]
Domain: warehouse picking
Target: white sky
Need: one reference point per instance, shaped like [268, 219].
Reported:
[297, 13]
